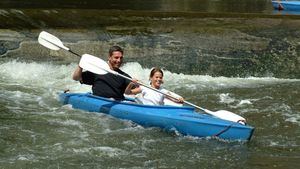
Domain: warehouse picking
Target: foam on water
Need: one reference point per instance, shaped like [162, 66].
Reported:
[26, 157]
[243, 102]
[39, 75]
[33, 82]
[201, 82]
[226, 98]
[30, 83]
[58, 77]
[101, 151]
[67, 122]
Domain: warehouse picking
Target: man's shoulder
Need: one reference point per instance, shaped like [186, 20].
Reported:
[87, 73]
[122, 73]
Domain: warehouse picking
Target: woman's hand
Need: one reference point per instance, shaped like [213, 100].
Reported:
[134, 83]
[180, 100]
[133, 87]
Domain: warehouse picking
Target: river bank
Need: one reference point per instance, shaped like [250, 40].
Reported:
[189, 42]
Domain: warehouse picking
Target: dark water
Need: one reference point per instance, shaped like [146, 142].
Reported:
[242, 6]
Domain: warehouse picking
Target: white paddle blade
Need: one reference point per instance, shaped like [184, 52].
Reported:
[50, 41]
[227, 115]
[94, 64]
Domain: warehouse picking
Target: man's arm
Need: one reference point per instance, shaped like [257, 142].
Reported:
[77, 75]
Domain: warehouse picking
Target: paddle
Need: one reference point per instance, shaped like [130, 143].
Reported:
[50, 41]
[98, 66]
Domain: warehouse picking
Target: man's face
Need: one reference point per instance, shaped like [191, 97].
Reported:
[115, 60]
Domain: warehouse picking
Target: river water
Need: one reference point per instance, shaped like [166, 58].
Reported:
[36, 131]
[242, 6]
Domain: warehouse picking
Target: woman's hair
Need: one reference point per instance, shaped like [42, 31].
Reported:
[154, 70]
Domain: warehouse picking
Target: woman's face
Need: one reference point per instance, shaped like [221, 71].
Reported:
[156, 80]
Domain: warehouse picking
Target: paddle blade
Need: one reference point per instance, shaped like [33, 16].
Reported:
[50, 41]
[227, 115]
[94, 64]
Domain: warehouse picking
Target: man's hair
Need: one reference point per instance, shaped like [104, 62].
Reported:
[115, 49]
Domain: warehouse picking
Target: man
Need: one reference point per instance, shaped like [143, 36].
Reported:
[107, 85]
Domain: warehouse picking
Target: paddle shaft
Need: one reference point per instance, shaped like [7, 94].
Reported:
[74, 53]
[186, 102]
[166, 94]
[108, 70]
[116, 73]
[191, 104]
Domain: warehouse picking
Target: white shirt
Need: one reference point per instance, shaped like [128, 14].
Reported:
[151, 97]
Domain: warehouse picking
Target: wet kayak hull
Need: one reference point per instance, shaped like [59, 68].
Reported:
[184, 120]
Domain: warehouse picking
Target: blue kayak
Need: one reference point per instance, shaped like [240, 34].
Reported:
[286, 5]
[185, 120]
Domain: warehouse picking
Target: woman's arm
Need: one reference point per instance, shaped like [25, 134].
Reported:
[177, 100]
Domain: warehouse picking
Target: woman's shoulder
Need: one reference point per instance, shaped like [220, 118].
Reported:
[163, 90]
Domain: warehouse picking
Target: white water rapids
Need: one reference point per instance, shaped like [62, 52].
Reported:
[36, 129]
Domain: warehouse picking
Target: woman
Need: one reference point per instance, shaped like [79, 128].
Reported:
[151, 97]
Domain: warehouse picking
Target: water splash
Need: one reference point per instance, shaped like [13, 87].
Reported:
[202, 82]
[51, 76]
